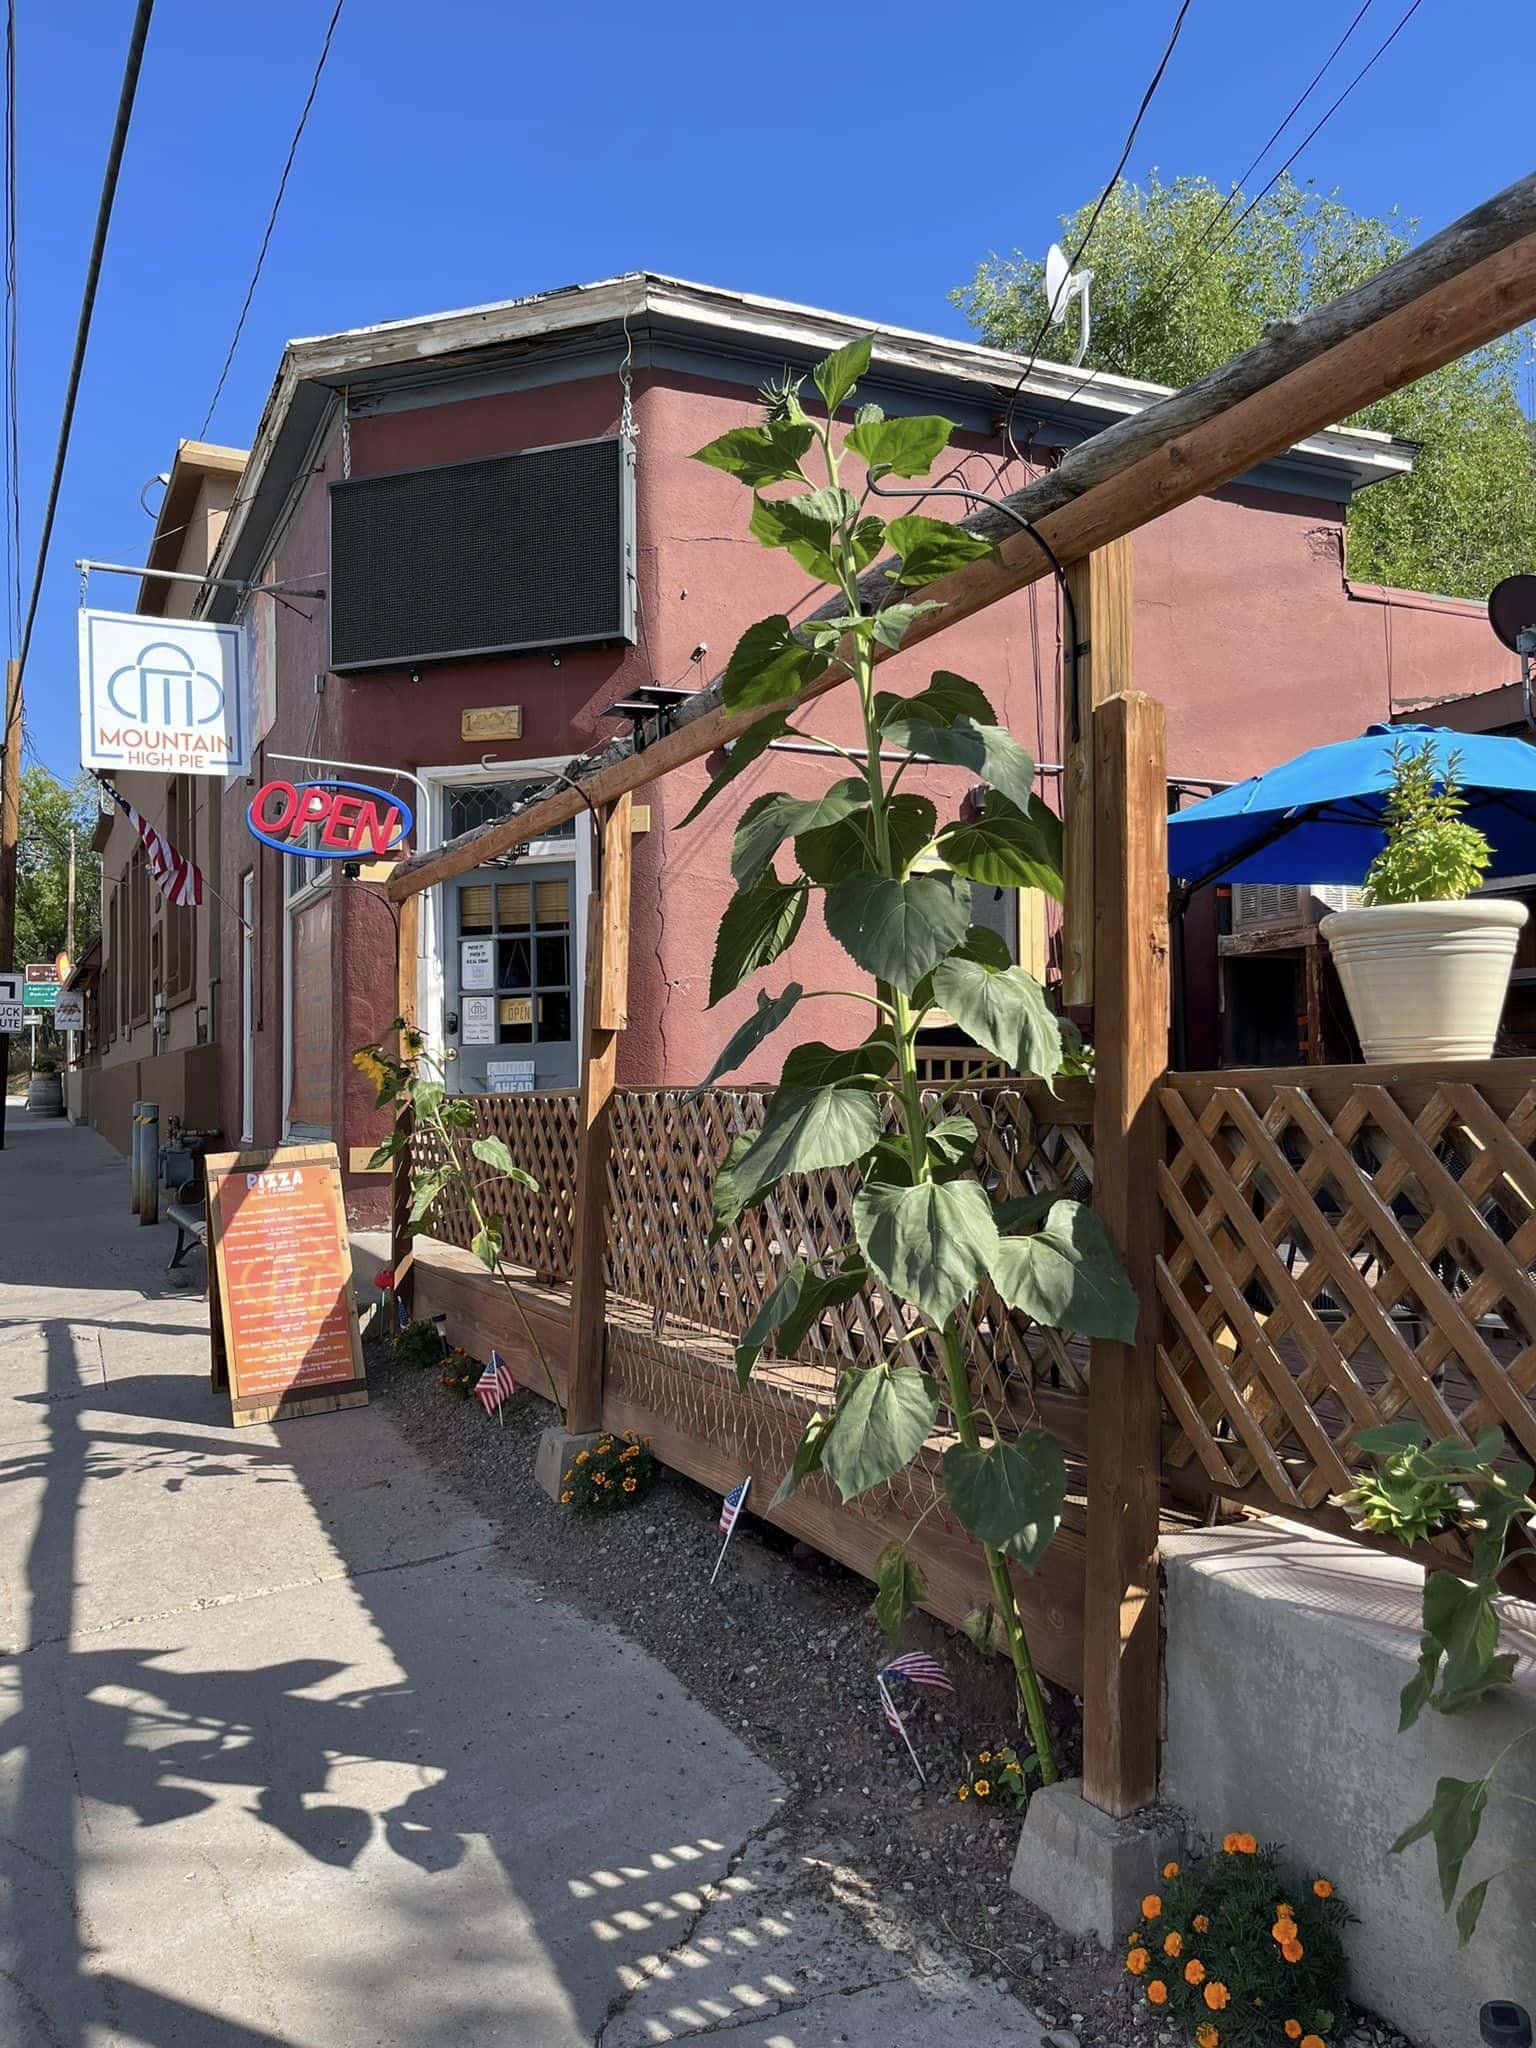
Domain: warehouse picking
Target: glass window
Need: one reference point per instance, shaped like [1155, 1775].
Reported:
[527, 923]
[472, 804]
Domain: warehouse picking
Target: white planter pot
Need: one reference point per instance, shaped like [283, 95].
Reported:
[1426, 981]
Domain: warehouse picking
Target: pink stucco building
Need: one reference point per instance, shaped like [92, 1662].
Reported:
[376, 473]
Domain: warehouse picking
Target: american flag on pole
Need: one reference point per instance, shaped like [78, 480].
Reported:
[919, 1669]
[731, 1507]
[179, 880]
[494, 1384]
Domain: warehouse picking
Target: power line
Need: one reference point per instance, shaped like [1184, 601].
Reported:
[125, 101]
[282, 187]
[1103, 200]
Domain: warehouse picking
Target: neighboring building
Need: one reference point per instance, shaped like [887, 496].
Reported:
[156, 992]
[500, 508]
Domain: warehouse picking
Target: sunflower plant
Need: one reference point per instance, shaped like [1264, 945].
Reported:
[1242, 1951]
[413, 1081]
[893, 882]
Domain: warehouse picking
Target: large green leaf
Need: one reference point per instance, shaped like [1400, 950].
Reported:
[733, 1191]
[769, 820]
[987, 750]
[746, 1038]
[807, 1129]
[769, 663]
[758, 924]
[805, 526]
[1470, 1910]
[901, 447]
[486, 1243]
[898, 930]
[759, 455]
[779, 1302]
[1009, 1495]
[1454, 1817]
[1006, 848]
[837, 373]
[425, 1189]
[946, 698]
[899, 1587]
[931, 548]
[813, 1065]
[813, 1441]
[884, 1415]
[951, 1141]
[754, 742]
[1068, 1276]
[496, 1152]
[820, 1292]
[930, 1244]
[848, 848]
[892, 621]
[1002, 1008]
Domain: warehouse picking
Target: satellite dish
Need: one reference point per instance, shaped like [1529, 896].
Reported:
[1512, 611]
[1062, 286]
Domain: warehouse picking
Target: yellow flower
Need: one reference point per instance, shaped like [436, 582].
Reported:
[1323, 1888]
[985, 1757]
[1138, 1961]
[1206, 2035]
[983, 1788]
[630, 1485]
[964, 1792]
[1173, 1944]
[582, 1457]
[368, 1062]
[1151, 1906]
[1157, 1992]
[565, 1499]
[1170, 1870]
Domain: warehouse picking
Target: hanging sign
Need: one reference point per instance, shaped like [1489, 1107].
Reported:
[328, 820]
[167, 694]
[69, 1010]
[285, 1318]
[10, 1003]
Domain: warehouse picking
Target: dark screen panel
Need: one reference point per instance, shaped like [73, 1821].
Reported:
[480, 557]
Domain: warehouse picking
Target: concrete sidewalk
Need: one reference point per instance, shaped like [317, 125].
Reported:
[288, 1755]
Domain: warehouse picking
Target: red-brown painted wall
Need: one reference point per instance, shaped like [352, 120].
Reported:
[1245, 627]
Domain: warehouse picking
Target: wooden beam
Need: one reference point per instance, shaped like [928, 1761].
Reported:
[603, 1018]
[1101, 601]
[1473, 281]
[401, 1236]
[1121, 1625]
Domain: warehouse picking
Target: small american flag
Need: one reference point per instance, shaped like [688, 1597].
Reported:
[402, 1317]
[494, 1384]
[179, 880]
[919, 1669]
[732, 1505]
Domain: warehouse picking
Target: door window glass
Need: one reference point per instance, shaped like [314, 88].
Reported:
[528, 925]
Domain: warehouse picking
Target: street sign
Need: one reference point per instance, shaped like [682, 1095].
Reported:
[39, 995]
[160, 693]
[10, 1004]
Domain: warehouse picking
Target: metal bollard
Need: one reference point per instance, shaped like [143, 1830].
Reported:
[149, 1169]
[134, 1137]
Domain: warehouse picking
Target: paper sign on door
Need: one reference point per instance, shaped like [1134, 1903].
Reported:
[477, 1020]
[477, 963]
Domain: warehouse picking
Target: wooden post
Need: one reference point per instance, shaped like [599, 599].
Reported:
[1101, 598]
[1121, 1651]
[604, 1015]
[401, 1236]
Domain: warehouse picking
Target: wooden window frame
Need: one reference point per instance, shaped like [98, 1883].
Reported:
[178, 944]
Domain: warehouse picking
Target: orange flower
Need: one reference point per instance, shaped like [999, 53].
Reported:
[1312, 2041]
[1151, 1906]
[1293, 2030]
[1216, 1995]
[1247, 1845]
[1170, 1870]
[1173, 1944]
[1157, 1992]
[1323, 1888]
[1194, 1971]
[1200, 1924]
[1206, 2035]
[1137, 1962]
[1284, 1930]
[1229, 1844]
[1292, 1951]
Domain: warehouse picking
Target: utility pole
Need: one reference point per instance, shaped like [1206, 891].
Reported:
[10, 834]
[69, 940]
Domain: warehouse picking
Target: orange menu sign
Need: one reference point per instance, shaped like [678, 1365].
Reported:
[282, 1271]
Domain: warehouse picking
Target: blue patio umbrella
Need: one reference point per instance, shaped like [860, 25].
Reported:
[1319, 817]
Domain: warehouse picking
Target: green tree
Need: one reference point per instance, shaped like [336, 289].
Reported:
[49, 810]
[1177, 290]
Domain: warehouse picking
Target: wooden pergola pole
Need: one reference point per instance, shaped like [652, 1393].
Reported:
[1121, 1646]
[604, 1016]
[1101, 602]
[401, 1236]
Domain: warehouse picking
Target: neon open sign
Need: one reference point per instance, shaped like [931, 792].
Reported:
[352, 820]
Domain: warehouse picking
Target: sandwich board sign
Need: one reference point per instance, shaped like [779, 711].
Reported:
[167, 694]
[10, 1004]
[282, 1311]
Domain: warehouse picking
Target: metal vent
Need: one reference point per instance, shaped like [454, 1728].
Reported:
[518, 551]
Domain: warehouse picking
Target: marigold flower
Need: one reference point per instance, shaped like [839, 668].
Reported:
[1323, 1888]
[1312, 2041]
[983, 1788]
[1194, 1971]
[1170, 1870]
[1216, 1995]
[1284, 1930]
[630, 1485]
[1292, 1951]
[1157, 1992]
[1201, 1924]
[582, 1457]
[985, 1757]
[1293, 2030]
[1247, 1845]
[565, 1500]
[1229, 1844]
[964, 1792]
[1138, 1962]
[1173, 1944]
[1206, 2035]
[1151, 1906]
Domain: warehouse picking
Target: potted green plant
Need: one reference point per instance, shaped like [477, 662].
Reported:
[1425, 970]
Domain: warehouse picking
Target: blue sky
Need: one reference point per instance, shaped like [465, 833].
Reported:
[475, 151]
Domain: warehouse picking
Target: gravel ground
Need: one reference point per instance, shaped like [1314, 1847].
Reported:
[785, 1648]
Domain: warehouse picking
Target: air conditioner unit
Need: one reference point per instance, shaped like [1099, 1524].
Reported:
[1258, 905]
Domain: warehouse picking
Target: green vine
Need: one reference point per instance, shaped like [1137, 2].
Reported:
[894, 886]
[1417, 1490]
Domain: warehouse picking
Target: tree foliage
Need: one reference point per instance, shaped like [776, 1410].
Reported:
[1177, 291]
[49, 809]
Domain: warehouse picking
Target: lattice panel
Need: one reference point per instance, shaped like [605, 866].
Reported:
[1340, 1256]
[541, 1134]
